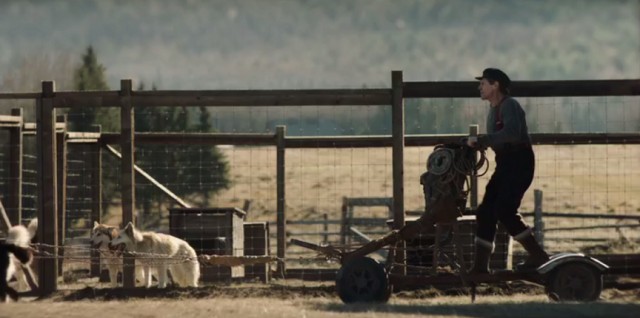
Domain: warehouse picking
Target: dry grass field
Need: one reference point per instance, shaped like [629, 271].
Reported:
[589, 179]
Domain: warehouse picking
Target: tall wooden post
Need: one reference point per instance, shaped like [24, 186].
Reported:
[473, 198]
[128, 183]
[325, 228]
[14, 195]
[397, 128]
[47, 189]
[96, 198]
[61, 174]
[538, 222]
[281, 221]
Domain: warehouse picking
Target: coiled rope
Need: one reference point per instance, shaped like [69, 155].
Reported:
[450, 162]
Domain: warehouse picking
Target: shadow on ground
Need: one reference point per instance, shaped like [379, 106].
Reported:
[510, 310]
[279, 290]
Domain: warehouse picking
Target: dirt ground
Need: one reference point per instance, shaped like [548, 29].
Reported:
[293, 298]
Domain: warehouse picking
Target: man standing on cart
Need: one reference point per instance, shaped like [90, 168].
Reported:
[508, 136]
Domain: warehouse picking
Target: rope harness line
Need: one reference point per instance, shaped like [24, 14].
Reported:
[150, 259]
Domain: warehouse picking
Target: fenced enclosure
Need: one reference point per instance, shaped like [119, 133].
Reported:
[298, 156]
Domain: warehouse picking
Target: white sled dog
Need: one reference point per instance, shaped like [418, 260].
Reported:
[21, 236]
[162, 252]
[110, 256]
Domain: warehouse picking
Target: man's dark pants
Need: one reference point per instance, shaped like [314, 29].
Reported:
[504, 192]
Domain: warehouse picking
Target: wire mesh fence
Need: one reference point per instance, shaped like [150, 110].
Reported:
[587, 188]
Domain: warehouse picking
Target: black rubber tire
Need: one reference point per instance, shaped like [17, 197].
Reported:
[363, 280]
[575, 281]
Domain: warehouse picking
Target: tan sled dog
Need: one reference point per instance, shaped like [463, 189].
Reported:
[110, 257]
[162, 252]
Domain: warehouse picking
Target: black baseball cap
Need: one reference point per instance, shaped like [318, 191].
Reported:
[496, 75]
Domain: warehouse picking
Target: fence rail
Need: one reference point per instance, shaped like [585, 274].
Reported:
[526, 88]
[586, 216]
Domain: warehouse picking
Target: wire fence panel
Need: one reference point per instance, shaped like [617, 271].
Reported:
[216, 178]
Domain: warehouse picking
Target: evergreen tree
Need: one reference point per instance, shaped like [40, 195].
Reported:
[90, 75]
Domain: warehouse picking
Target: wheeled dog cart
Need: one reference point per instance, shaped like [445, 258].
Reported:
[566, 276]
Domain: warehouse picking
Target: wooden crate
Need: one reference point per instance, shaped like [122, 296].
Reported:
[211, 231]
[256, 242]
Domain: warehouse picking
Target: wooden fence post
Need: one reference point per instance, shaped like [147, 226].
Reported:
[47, 189]
[61, 144]
[325, 228]
[281, 221]
[96, 198]
[473, 197]
[397, 127]
[128, 183]
[344, 224]
[538, 222]
[14, 202]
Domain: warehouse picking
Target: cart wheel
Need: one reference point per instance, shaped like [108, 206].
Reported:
[575, 281]
[363, 280]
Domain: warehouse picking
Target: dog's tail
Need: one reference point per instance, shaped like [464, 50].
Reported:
[21, 253]
[33, 229]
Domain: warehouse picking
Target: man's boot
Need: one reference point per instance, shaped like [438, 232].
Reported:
[484, 249]
[537, 255]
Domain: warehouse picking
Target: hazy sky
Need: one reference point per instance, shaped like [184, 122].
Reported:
[310, 44]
